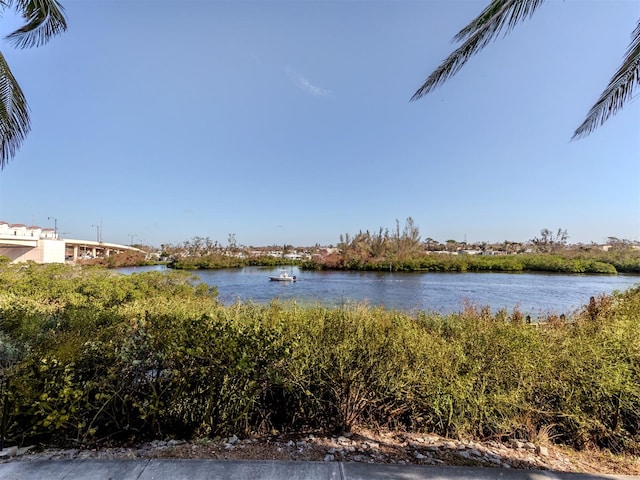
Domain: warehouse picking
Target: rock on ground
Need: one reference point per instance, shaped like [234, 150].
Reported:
[358, 446]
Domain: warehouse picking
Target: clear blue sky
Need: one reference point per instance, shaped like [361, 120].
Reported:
[290, 122]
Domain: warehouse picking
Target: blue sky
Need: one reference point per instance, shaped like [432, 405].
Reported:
[290, 122]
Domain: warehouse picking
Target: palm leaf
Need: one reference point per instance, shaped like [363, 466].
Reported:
[14, 114]
[45, 19]
[618, 92]
[498, 16]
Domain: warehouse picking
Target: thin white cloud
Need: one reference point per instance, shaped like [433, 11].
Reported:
[303, 83]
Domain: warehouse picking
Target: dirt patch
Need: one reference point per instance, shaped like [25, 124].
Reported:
[366, 446]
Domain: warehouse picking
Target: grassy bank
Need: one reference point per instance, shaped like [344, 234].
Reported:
[215, 261]
[567, 262]
[600, 262]
[87, 355]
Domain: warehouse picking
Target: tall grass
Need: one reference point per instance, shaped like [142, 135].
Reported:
[89, 356]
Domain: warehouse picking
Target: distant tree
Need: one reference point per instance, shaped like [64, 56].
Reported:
[44, 20]
[402, 242]
[430, 243]
[232, 244]
[550, 242]
[452, 245]
[379, 243]
[345, 241]
[510, 247]
[504, 15]
[410, 240]
[196, 247]
[411, 232]
[620, 243]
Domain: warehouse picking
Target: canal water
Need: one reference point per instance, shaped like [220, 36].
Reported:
[532, 293]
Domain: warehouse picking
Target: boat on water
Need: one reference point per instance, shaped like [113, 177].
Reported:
[283, 277]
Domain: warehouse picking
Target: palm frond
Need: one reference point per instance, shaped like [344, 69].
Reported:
[14, 114]
[498, 16]
[45, 19]
[502, 13]
[618, 92]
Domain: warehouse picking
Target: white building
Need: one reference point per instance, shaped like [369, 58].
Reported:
[22, 243]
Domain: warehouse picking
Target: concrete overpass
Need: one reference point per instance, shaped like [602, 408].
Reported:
[80, 249]
[23, 248]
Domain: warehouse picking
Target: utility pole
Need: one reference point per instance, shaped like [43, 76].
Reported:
[131, 235]
[55, 227]
[98, 233]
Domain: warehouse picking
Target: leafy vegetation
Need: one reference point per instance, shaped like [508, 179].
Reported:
[402, 249]
[88, 355]
[43, 20]
[478, 263]
[502, 16]
[221, 260]
[118, 260]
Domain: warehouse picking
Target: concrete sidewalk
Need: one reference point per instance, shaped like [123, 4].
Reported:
[166, 469]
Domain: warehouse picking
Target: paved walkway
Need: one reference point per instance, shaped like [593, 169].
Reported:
[157, 469]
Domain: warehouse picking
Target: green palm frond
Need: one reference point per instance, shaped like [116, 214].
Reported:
[618, 92]
[45, 19]
[14, 114]
[498, 16]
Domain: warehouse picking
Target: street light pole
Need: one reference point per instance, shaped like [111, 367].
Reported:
[55, 226]
[97, 232]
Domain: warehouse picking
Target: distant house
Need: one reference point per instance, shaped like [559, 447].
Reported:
[48, 233]
[18, 230]
[22, 243]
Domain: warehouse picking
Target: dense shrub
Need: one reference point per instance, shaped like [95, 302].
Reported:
[219, 260]
[87, 355]
[568, 262]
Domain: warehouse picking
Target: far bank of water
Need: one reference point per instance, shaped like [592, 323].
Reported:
[532, 293]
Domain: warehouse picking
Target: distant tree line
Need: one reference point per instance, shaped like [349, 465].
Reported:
[401, 248]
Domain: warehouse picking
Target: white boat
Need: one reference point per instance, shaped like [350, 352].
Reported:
[283, 277]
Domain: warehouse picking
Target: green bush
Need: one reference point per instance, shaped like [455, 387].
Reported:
[88, 355]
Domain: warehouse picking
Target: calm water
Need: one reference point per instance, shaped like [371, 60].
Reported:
[532, 293]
